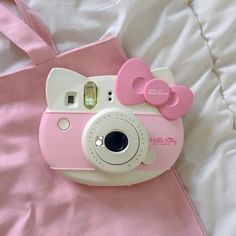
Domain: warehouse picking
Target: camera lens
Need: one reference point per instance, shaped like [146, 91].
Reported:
[116, 141]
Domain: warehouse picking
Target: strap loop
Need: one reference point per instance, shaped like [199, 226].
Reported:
[31, 18]
[24, 37]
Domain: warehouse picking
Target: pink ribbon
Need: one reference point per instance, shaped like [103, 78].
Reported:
[136, 84]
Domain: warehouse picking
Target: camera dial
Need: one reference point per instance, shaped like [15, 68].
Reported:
[114, 140]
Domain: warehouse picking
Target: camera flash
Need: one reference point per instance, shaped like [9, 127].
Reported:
[90, 95]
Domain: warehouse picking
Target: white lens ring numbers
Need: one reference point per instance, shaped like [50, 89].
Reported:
[102, 124]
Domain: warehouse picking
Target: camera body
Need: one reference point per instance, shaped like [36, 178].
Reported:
[89, 136]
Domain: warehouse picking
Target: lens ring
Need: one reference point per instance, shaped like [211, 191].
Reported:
[117, 158]
[116, 141]
[104, 123]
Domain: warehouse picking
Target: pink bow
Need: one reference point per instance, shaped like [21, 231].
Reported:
[135, 84]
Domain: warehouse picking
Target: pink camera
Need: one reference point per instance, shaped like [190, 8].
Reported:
[113, 130]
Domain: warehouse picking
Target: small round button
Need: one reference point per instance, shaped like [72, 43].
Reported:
[63, 124]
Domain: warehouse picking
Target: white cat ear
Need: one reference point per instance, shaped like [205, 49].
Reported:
[63, 88]
[164, 73]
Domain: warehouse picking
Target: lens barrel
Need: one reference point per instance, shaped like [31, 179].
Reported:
[116, 141]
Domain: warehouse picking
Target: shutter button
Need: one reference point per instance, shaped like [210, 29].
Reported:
[63, 124]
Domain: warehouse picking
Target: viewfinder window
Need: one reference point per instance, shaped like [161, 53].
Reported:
[71, 99]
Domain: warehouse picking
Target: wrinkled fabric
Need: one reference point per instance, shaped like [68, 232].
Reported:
[34, 199]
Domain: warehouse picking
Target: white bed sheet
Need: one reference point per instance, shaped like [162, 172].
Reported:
[197, 40]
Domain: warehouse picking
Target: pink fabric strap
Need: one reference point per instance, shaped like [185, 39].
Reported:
[24, 37]
[31, 19]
